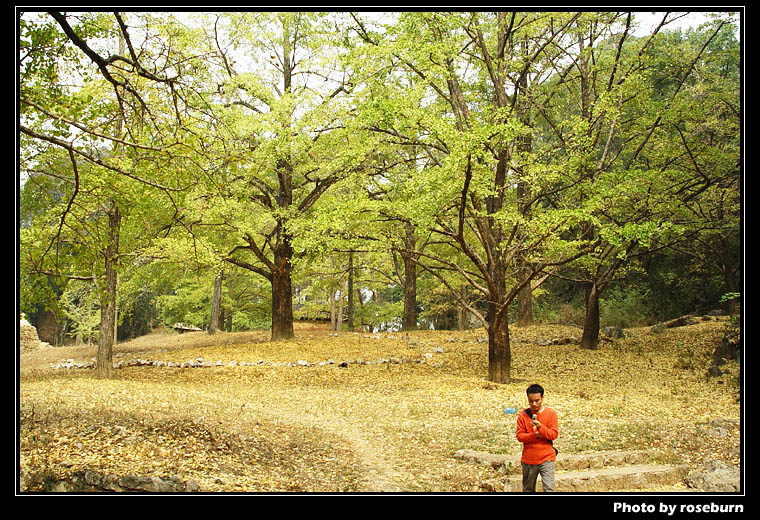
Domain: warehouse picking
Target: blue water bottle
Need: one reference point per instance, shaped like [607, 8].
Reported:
[510, 411]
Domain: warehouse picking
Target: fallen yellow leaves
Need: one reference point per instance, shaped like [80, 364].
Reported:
[269, 427]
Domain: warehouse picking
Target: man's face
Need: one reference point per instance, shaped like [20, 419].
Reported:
[535, 401]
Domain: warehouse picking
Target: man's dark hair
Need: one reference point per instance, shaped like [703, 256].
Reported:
[535, 389]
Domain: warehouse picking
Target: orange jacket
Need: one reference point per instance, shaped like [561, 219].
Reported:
[537, 450]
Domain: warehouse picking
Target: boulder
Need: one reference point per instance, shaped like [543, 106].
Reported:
[683, 321]
[730, 347]
[715, 477]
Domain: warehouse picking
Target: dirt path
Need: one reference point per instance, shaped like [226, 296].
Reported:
[379, 474]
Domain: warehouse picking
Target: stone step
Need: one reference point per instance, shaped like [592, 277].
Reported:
[583, 472]
[510, 464]
[639, 476]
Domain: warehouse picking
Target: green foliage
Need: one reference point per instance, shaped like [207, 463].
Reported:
[138, 316]
[189, 305]
[81, 306]
[729, 297]
[380, 315]
[340, 133]
[625, 307]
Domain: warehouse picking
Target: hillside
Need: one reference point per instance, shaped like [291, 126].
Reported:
[364, 412]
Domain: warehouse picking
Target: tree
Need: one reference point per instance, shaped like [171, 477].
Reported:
[707, 132]
[644, 162]
[282, 138]
[100, 111]
[469, 107]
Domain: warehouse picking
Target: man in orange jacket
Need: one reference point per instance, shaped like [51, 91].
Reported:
[537, 427]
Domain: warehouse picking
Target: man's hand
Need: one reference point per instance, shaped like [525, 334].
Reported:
[536, 424]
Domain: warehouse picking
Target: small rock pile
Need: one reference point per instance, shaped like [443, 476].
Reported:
[28, 338]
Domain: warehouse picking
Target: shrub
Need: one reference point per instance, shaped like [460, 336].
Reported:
[624, 307]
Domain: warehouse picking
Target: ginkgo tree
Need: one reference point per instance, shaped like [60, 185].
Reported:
[633, 97]
[104, 120]
[282, 141]
[536, 126]
[473, 69]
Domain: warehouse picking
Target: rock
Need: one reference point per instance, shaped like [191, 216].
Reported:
[725, 423]
[678, 322]
[728, 349]
[90, 480]
[715, 477]
[730, 345]
[181, 327]
[613, 332]
[202, 363]
[656, 329]
[719, 427]
[501, 463]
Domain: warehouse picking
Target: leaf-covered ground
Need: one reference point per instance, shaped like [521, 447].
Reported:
[274, 427]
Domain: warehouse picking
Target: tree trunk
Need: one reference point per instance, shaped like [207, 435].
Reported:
[350, 316]
[499, 352]
[215, 304]
[282, 293]
[333, 319]
[590, 339]
[339, 317]
[104, 363]
[228, 322]
[409, 320]
[525, 307]
[524, 197]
